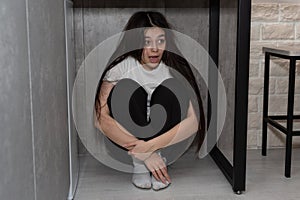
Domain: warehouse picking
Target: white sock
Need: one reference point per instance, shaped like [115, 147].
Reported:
[158, 185]
[141, 177]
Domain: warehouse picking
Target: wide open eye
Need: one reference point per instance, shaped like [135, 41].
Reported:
[147, 43]
[161, 41]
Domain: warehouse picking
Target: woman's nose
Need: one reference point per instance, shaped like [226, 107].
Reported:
[154, 47]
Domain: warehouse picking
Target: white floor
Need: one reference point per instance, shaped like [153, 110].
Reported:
[195, 179]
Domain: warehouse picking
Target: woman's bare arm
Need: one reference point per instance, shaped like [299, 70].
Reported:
[183, 130]
[178, 133]
[106, 124]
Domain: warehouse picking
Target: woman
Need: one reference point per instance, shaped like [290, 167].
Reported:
[150, 74]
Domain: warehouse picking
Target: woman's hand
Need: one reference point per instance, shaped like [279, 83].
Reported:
[140, 149]
[157, 166]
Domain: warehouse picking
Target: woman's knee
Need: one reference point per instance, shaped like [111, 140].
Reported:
[171, 92]
[127, 102]
[127, 92]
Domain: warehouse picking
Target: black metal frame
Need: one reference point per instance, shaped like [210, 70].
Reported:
[271, 119]
[235, 173]
[214, 28]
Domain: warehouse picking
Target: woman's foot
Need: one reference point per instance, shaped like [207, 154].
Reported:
[158, 185]
[142, 180]
[141, 177]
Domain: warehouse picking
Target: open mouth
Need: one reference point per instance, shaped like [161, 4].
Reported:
[154, 59]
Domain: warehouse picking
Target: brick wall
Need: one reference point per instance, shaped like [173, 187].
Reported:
[272, 24]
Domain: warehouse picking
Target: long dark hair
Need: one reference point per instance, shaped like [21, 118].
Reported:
[174, 59]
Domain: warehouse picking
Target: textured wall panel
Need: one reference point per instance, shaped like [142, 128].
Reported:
[16, 164]
[48, 61]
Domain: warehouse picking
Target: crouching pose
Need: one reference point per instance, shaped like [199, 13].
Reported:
[132, 86]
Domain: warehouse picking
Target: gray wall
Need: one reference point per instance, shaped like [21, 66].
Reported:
[16, 158]
[33, 102]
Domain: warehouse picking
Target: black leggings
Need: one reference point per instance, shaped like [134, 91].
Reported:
[127, 103]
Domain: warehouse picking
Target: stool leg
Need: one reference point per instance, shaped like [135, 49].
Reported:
[290, 114]
[265, 104]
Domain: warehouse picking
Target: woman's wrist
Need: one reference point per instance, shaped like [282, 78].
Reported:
[153, 145]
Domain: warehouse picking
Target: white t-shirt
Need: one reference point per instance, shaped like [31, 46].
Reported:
[132, 69]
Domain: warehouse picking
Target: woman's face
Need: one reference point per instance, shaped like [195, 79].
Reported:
[154, 46]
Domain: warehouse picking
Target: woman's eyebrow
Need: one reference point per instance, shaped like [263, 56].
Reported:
[162, 35]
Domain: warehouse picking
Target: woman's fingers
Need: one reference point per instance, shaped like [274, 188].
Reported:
[164, 171]
[158, 168]
[161, 173]
[165, 174]
[152, 168]
[160, 176]
[155, 174]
